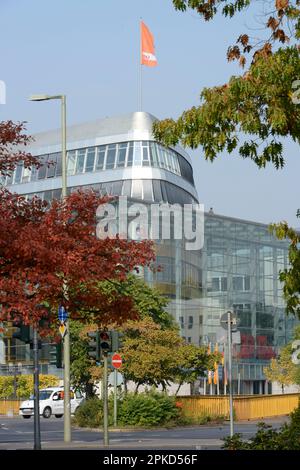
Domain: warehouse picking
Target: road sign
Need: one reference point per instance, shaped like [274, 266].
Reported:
[116, 361]
[111, 379]
[62, 329]
[224, 321]
[62, 313]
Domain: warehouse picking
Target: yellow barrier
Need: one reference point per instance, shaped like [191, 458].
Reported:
[245, 407]
[9, 407]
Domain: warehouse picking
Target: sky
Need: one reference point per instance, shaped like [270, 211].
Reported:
[89, 50]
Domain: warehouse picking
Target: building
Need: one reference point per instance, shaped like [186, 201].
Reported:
[237, 268]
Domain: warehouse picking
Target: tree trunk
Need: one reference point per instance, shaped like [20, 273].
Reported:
[178, 388]
[89, 390]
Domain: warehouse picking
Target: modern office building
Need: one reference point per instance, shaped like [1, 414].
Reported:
[237, 267]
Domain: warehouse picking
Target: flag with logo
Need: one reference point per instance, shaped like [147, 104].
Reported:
[147, 47]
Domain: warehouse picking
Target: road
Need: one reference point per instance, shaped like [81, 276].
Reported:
[17, 433]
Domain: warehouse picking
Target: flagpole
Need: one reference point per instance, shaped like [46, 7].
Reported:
[140, 73]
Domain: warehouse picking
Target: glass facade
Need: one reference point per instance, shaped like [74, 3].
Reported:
[147, 190]
[237, 268]
[107, 157]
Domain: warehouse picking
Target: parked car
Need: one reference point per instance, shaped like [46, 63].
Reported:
[51, 403]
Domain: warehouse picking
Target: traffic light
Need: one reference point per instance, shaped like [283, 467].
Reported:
[56, 355]
[105, 342]
[116, 341]
[23, 333]
[94, 345]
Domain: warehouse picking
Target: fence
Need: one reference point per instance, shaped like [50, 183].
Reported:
[9, 407]
[245, 407]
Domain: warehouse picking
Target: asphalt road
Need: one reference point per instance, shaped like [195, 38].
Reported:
[17, 433]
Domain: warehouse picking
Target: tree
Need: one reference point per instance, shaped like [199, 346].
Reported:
[12, 147]
[194, 362]
[253, 112]
[148, 303]
[282, 369]
[52, 258]
[290, 277]
[153, 356]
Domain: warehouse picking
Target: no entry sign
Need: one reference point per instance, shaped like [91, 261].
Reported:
[116, 361]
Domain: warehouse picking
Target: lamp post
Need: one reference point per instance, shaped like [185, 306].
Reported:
[66, 354]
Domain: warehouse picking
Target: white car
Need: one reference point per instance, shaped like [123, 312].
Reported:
[51, 403]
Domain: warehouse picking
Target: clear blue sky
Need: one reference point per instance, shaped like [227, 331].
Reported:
[89, 51]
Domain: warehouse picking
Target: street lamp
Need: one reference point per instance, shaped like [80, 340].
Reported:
[67, 407]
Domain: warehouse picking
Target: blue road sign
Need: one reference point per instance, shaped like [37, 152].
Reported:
[62, 313]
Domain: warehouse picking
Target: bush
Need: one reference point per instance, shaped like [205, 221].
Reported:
[89, 413]
[145, 409]
[148, 409]
[24, 385]
[266, 438]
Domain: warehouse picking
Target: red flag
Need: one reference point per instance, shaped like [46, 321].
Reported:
[147, 47]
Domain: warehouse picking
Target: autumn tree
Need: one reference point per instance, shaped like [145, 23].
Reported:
[282, 369]
[194, 362]
[155, 356]
[256, 110]
[147, 302]
[13, 142]
[53, 257]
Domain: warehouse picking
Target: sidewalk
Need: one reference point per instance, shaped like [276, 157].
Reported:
[196, 444]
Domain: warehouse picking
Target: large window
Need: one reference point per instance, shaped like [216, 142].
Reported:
[108, 157]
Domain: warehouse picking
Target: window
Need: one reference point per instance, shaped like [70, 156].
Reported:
[126, 188]
[121, 158]
[80, 160]
[43, 169]
[148, 193]
[219, 284]
[100, 157]
[71, 162]
[137, 154]
[161, 157]
[145, 153]
[190, 322]
[90, 159]
[157, 190]
[237, 283]
[111, 156]
[153, 154]
[186, 170]
[26, 175]
[241, 283]
[164, 191]
[18, 173]
[130, 154]
[137, 189]
[59, 164]
[52, 164]
[215, 284]
[56, 193]
[34, 173]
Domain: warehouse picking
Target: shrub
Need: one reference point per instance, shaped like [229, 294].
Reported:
[148, 409]
[89, 413]
[24, 385]
[266, 438]
[144, 409]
